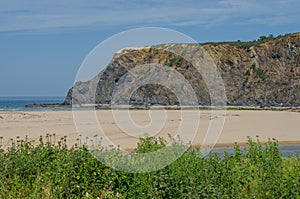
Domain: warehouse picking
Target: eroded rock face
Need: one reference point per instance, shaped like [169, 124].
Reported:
[267, 74]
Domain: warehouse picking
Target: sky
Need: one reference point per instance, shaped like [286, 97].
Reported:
[43, 43]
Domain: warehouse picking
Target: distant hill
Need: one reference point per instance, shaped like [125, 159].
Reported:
[265, 72]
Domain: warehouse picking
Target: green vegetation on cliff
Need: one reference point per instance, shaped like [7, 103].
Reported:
[247, 44]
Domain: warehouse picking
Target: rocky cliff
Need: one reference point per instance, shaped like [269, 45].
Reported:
[265, 74]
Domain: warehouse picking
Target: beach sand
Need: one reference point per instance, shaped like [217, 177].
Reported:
[281, 125]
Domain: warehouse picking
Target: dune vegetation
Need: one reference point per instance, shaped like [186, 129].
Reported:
[55, 170]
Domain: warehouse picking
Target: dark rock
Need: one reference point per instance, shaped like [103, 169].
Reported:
[48, 106]
[265, 75]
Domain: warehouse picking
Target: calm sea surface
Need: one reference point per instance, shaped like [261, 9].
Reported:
[18, 103]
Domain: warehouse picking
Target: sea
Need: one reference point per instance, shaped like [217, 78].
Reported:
[19, 103]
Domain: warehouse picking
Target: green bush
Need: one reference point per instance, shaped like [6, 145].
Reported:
[49, 170]
[247, 44]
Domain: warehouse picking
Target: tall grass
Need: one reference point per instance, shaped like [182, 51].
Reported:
[49, 170]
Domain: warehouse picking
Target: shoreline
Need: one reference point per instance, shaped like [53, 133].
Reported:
[156, 107]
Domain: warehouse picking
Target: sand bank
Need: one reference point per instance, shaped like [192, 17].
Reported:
[281, 125]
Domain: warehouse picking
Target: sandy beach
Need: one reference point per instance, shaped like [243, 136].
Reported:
[281, 125]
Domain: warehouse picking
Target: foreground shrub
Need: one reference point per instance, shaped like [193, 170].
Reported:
[49, 170]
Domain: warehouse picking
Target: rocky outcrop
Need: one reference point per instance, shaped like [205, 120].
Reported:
[265, 74]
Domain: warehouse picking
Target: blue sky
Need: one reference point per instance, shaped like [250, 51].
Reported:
[43, 43]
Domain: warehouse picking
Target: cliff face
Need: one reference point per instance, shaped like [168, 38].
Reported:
[266, 74]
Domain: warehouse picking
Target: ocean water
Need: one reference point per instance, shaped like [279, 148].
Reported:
[19, 103]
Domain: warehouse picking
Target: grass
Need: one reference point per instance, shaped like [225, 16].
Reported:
[247, 44]
[49, 170]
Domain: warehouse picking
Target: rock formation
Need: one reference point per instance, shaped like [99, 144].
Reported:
[264, 74]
